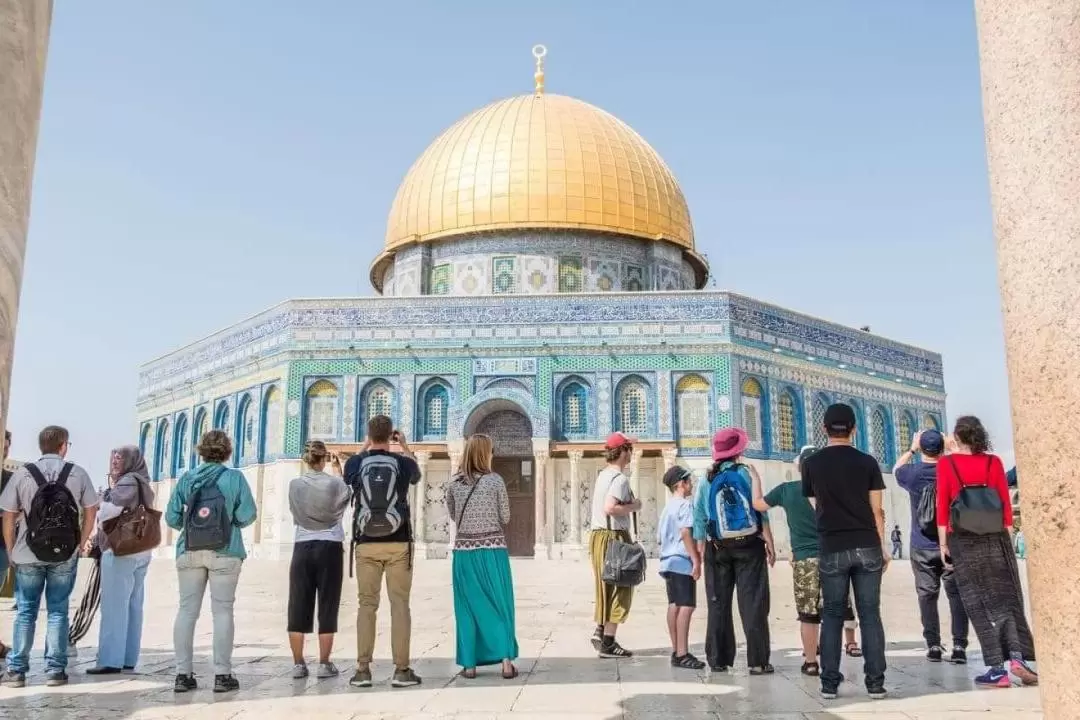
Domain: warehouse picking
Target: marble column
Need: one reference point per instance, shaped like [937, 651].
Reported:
[24, 40]
[575, 457]
[418, 503]
[540, 482]
[1030, 63]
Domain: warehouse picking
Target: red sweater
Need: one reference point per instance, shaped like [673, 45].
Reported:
[973, 469]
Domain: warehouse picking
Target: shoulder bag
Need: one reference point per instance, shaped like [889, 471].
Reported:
[134, 530]
[624, 562]
[977, 509]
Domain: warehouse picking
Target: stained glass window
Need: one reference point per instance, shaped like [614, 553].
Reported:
[633, 408]
[692, 396]
[436, 409]
[247, 429]
[817, 420]
[879, 443]
[906, 424]
[787, 431]
[183, 447]
[322, 403]
[440, 280]
[751, 407]
[575, 419]
[272, 432]
[504, 276]
[379, 401]
[570, 274]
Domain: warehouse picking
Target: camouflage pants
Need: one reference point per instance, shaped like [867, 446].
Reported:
[808, 594]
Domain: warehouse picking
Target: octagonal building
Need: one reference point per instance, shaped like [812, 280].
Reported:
[539, 282]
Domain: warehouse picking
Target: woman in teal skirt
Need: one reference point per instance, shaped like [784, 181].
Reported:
[483, 586]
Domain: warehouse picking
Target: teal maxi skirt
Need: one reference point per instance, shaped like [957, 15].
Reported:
[484, 607]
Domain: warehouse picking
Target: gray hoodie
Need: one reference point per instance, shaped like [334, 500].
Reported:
[317, 500]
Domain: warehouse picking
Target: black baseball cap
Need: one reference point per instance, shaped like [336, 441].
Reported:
[840, 417]
[674, 475]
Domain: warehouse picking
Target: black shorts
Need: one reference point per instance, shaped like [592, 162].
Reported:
[315, 578]
[681, 589]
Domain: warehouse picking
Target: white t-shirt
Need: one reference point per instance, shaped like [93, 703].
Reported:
[613, 483]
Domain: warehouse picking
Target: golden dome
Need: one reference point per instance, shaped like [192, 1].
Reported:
[539, 161]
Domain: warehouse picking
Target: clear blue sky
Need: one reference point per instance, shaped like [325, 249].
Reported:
[201, 161]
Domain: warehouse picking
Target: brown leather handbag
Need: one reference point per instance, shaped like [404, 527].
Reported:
[134, 530]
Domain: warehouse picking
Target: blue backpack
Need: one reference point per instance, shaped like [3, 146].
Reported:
[731, 512]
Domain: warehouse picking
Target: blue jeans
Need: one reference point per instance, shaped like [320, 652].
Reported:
[123, 581]
[56, 581]
[861, 570]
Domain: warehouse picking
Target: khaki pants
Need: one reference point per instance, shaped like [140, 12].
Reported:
[373, 559]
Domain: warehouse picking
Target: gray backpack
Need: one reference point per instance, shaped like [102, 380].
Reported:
[380, 511]
[209, 520]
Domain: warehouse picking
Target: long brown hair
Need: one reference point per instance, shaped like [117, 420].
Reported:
[476, 460]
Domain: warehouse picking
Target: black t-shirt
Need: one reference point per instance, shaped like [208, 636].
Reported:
[840, 478]
[408, 474]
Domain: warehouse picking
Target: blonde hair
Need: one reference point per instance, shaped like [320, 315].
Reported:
[476, 460]
[315, 453]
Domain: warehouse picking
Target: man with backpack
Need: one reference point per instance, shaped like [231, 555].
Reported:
[45, 499]
[210, 505]
[383, 545]
[846, 486]
[920, 481]
[737, 545]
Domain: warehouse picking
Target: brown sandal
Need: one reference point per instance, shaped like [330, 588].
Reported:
[469, 673]
[512, 674]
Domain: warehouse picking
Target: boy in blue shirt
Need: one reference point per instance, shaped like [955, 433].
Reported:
[680, 565]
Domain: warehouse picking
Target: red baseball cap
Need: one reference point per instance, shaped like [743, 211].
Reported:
[617, 440]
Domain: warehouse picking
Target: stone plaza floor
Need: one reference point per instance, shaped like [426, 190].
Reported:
[560, 676]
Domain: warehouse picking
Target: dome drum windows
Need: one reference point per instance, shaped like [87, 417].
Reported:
[570, 274]
[504, 279]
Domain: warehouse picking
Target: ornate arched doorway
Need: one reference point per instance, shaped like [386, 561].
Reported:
[511, 434]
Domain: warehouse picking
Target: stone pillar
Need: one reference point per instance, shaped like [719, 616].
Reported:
[540, 463]
[418, 502]
[575, 497]
[635, 473]
[1030, 62]
[24, 40]
[670, 455]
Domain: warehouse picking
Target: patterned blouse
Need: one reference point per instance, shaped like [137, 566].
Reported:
[485, 515]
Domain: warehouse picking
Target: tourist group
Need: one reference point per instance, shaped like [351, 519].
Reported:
[718, 527]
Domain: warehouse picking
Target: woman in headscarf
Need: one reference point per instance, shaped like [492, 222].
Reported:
[122, 578]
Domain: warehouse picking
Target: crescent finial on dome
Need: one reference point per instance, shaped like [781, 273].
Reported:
[539, 51]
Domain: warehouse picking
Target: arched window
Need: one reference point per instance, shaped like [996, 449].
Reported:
[930, 422]
[817, 420]
[632, 405]
[436, 405]
[860, 424]
[788, 431]
[880, 442]
[273, 436]
[752, 420]
[378, 399]
[144, 439]
[247, 429]
[575, 410]
[692, 398]
[221, 418]
[162, 446]
[200, 426]
[322, 409]
[906, 429]
[182, 445]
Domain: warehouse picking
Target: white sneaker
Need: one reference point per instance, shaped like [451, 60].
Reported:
[299, 671]
[327, 670]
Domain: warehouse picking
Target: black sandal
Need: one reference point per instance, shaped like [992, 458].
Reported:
[512, 674]
[853, 650]
[765, 669]
[687, 661]
[811, 668]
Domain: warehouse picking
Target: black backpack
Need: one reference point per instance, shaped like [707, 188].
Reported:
[977, 509]
[379, 510]
[52, 526]
[209, 521]
[926, 512]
